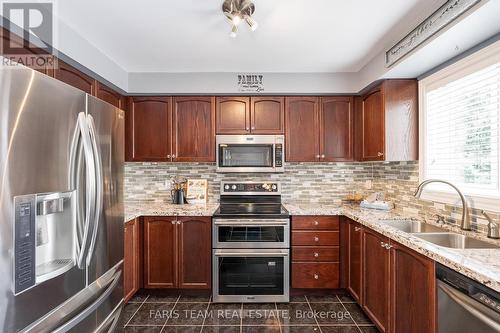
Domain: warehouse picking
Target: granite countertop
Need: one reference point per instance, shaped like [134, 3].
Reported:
[142, 208]
[482, 265]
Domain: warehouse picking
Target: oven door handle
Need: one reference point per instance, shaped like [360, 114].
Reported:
[250, 254]
[252, 224]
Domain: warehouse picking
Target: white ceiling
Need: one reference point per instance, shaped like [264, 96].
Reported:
[192, 35]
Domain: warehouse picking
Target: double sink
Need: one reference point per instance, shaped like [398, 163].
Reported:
[437, 235]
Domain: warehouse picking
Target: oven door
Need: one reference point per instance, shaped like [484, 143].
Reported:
[249, 153]
[251, 275]
[251, 233]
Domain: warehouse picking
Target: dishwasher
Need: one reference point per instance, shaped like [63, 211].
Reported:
[465, 305]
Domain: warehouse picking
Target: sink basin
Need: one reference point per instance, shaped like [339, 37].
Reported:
[455, 241]
[412, 226]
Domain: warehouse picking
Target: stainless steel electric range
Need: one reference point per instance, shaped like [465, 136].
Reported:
[251, 244]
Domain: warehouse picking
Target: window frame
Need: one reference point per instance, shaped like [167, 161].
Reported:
[470, 64]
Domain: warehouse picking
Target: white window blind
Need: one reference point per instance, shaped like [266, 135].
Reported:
[462, 120]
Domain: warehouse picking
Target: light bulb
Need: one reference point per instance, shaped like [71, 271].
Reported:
[234, 31]
[252, 23]
[236, 19]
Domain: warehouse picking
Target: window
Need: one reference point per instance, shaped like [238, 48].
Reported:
[459, 129]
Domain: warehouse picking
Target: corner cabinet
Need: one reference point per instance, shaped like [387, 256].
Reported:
[319, 129]
[386, 124]
[166, 129]
[132, 261]
[250, 115]
[177, 252]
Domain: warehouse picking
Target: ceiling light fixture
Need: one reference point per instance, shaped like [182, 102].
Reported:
[237, 11]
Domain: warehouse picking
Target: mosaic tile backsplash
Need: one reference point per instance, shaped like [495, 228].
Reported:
[325, 183]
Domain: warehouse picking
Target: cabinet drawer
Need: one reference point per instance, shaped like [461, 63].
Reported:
[310, 253]
[314, 275]
[315, 223]
[322, 238]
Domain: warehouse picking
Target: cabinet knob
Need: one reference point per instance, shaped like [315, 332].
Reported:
[173, 155]
[379, 154]
[316, 238]
[247, 128]
[322, 155]
[317, 156]
[316, 254]
[316, 276]
[168, 156]
[316, 223]
[178, 222]
[357, 228]
[388, 246]
[382, 244]
[173, 222]
[253, 127]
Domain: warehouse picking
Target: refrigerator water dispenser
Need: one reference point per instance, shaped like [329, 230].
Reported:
[44, 237]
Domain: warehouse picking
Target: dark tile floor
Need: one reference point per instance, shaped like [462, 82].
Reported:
[188, 314]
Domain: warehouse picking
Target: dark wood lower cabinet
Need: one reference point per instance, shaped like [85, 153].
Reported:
[354, 275]
[413, 291]
[376, 265]
[195, 269]
[177, 252]
[160, 252]
[132, 268]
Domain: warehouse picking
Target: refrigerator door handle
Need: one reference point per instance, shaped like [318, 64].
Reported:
[99, 186]
[90, 188]
[92, 307]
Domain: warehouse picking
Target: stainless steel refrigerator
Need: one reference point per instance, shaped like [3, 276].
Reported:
[61, 213]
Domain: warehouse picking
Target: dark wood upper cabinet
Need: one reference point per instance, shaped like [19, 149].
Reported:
[354, 255]
[233, 115]
[267, 115]
[386, 123]
[193, 129]
[376, 275]
[413, 291]
[336, 129]
[301, 129]
[72, 76]
[195, 252]
[132, 272]
[109, 95]
[160, 252]
[148, 123]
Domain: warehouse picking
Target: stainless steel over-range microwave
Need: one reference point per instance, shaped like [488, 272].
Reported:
[250, 153]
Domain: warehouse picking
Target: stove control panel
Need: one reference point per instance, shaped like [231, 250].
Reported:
[250, 188]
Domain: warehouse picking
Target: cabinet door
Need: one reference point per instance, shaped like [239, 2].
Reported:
[160, 252]
[195, 268]
[193, 129]
[354, 279]
[267, 115]
[301, 129]
[148, 136]
[413, 292]
[233, 115]
[72, 76]
[336, 129]
[109, 95]
[131, 259]
[375, 299]
[373, 128]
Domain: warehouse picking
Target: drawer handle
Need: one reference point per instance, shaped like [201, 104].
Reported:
[316, 276]
[316, 254]
[316, 238]
[316, 223]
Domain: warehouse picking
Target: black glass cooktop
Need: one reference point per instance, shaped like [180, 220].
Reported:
[252, 210]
